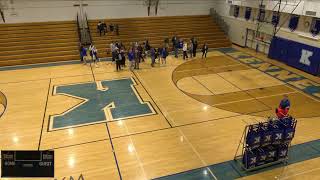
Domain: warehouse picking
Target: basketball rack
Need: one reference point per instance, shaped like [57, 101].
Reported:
[265, 144]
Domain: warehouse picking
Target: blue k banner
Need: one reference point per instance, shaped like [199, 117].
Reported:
[298, 55]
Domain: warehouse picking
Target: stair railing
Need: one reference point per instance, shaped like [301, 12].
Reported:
[219, 20]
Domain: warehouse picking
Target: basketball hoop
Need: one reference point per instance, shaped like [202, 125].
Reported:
[150, 4]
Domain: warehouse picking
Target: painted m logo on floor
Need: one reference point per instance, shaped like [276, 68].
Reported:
[101, 101]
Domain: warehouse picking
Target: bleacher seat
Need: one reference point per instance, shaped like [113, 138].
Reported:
[156, 29]
[28, 43]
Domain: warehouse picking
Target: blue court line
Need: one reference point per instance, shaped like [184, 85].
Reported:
[298, 81]
[29, 66]
[40, 65]
[231, 169]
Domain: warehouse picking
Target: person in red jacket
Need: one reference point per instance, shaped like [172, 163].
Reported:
[283, 109]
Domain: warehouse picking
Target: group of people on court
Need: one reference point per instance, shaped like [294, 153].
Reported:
[138, 51]
[93, 52]
[190, 48]
[136, 54]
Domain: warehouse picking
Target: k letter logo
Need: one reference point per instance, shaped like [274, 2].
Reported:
[305, 55]
[101, 101]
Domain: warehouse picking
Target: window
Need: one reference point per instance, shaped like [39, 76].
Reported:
[236, 11]
[275, 18]
[294, 21]
[315, 26]
[247, 15]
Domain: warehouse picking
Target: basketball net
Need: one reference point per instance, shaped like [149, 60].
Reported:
[152, 6]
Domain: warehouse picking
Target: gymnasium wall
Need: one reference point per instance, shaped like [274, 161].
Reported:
[59, 10]
[238, 26]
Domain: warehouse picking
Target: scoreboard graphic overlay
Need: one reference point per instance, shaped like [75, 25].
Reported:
[27, 164]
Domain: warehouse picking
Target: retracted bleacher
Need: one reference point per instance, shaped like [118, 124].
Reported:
[156, 29]
[41, 42]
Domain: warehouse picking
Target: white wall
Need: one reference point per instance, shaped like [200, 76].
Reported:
[37, 11]
[287, 5]
[238, 26]
[59, 10]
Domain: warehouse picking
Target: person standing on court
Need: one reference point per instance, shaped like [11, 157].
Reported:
[205, 49]
[176, 49]
[113, 49]
[185, 49]
[284, 106]
[174, 41]
[191, 48]
[136, 58]
[94, 54]
[156, 53]
[140, 53]
[164, 55]
[83, 54]
[118, 60]
[91, 47]
[153, 56]
[123, 57]
[131, 59]
[180, 43]
[147, 47]
[195, 47]
[159, 53]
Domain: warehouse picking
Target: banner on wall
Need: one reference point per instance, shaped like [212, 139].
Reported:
[247, 14]
[295, 54]
[315, 27]
[294, 21]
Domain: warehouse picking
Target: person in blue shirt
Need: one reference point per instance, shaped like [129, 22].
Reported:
[180, 44]
[131, 59]
[83, 54]
[164, 56]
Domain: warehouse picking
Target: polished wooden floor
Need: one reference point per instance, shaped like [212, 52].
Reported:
[200, 116]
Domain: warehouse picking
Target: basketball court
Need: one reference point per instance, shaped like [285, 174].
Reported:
[183, 120]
